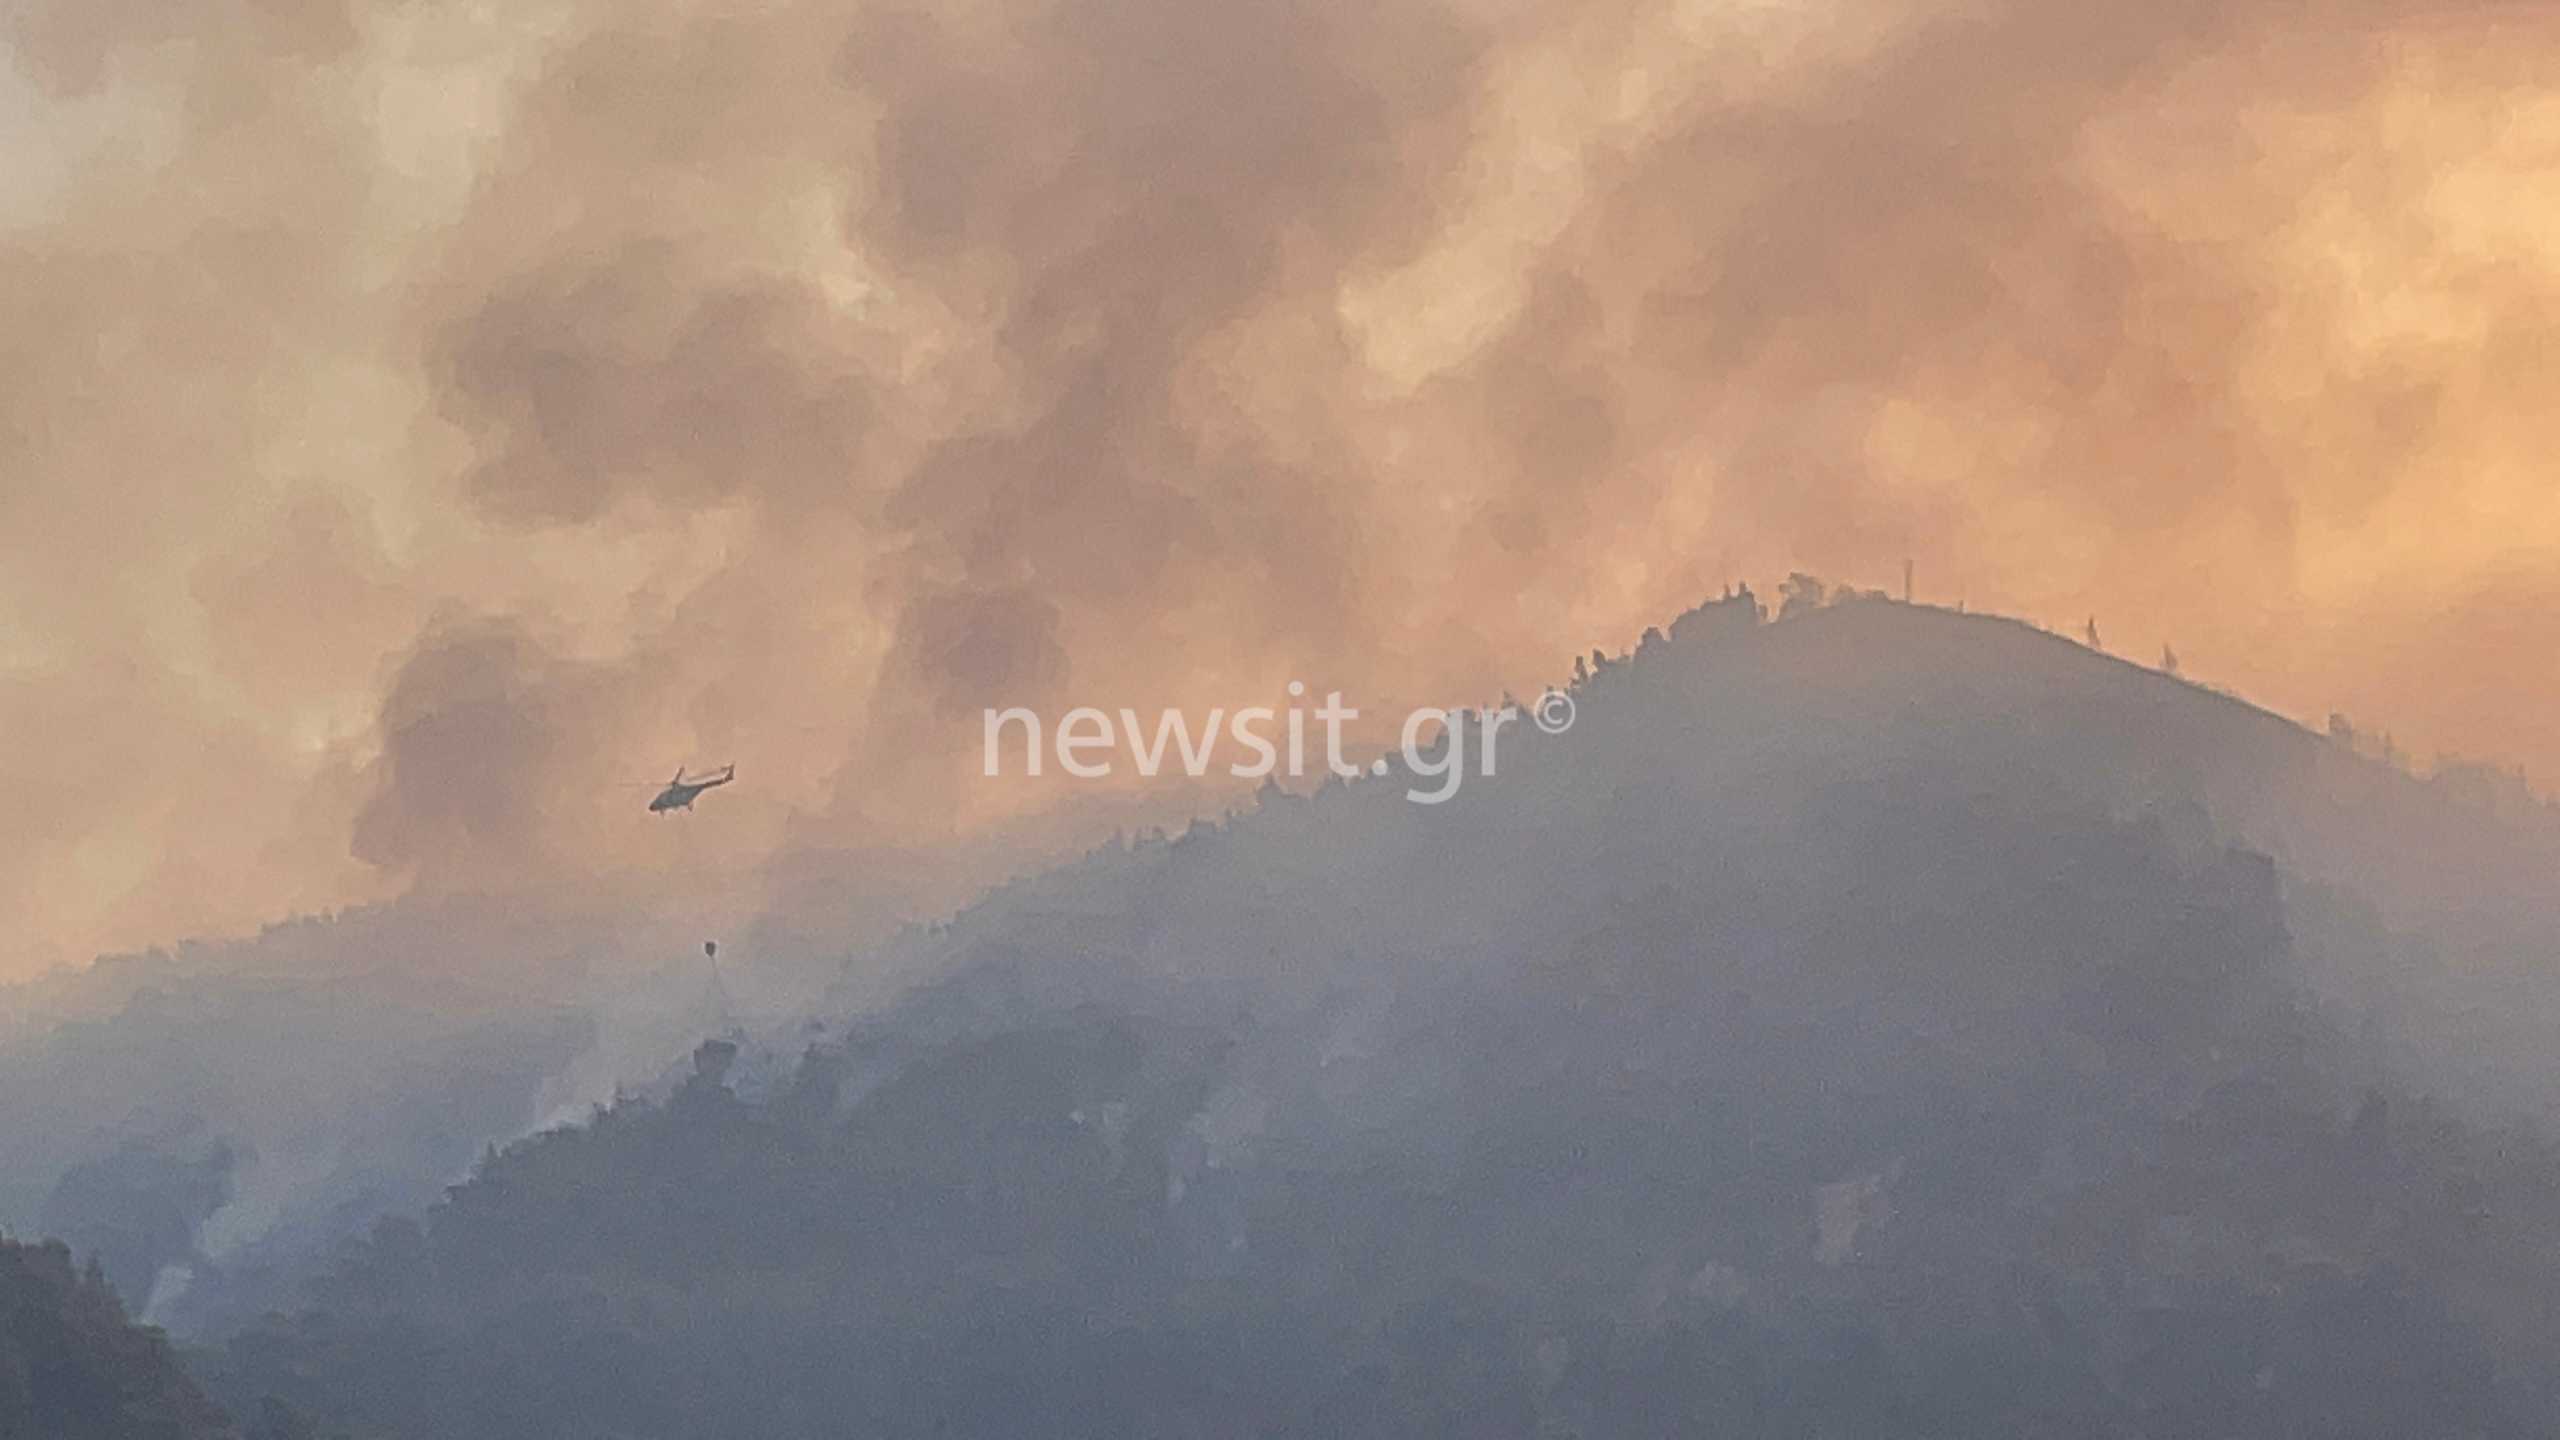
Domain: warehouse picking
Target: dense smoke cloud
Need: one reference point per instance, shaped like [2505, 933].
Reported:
[418, 426]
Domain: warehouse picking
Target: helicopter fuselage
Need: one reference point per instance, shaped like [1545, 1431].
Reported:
[681, 793]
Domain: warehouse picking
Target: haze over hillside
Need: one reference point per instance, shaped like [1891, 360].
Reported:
[209, 1119]
[1882, 1021]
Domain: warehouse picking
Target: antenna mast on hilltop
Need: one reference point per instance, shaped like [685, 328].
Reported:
[1906, 579]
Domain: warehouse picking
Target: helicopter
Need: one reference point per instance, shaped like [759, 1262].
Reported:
[681, 793]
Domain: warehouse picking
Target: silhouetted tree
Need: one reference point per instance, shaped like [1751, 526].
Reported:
[1800, 593]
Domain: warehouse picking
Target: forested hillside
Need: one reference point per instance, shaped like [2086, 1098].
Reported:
[72, 1367]
[1879, 1023]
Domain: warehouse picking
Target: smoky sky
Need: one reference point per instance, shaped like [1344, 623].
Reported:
[421, 427]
